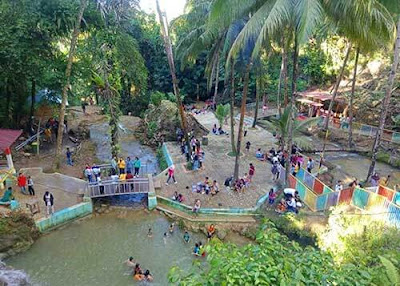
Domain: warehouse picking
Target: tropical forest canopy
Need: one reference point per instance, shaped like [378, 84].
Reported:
[126, 43]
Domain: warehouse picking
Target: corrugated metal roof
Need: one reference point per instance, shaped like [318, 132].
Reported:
[8, 137]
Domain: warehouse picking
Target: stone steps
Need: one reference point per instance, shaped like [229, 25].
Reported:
[206, 218]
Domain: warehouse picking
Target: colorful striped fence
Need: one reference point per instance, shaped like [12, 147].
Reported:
[319, 197]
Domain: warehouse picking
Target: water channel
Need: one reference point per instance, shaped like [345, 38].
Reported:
[99, 134]
[92, 251]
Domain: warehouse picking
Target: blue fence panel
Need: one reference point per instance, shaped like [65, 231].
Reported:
[301, 189]
[327, 190]
[321, 202]
[394, 215]
[308, 180]
[300, 174]
[365, 129]
[396, 199]
[396, 137]
[360, 198]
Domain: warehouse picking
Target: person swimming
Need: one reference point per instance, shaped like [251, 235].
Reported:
[139, 276]
[202, 251]
[148, 276]
[165, 237]
[171, 228]
[137, 269]
[130, 262]
[150, 233]
[186, 237]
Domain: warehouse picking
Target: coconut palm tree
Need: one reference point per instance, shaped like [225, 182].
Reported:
[170, 56]
[386, 100]
[71, 53]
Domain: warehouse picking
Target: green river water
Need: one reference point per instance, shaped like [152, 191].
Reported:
[92, 251]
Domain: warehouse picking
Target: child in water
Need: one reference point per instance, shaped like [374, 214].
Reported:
[171, 227]
[165, 237]
[148, 276]
[196, 250]
[186, 237]
[149, 233]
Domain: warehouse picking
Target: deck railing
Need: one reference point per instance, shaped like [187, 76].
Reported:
[118, 187]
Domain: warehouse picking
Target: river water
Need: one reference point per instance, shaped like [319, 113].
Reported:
[99, 134]
[92, 251]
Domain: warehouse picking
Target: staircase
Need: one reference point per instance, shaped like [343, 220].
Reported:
[206, 218]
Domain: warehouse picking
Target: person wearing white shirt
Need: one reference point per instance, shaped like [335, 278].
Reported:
[338, 186]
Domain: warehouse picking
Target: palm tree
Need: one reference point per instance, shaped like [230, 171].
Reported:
[170, 56]
[71, 53]
[222, 113]
[281, 126]
[386, 102]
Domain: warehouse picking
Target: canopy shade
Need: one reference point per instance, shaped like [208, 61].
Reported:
[8, 137]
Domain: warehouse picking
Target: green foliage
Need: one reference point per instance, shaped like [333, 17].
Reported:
[359, 238]
[273, 260]
[161, 159]
[222, 113]
[156, 97]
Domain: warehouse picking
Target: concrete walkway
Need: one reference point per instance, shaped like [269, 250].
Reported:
[65, 190]
[218, 166]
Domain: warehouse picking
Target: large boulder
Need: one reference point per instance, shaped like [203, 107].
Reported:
[12, 277]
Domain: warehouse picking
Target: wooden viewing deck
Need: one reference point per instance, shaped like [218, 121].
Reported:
[114, 187]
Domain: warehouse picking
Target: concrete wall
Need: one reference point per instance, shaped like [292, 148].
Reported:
[65, 215]
[167, 155]
[126, 200]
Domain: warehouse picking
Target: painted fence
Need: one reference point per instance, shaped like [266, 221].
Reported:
[317, 196]
[167, 155]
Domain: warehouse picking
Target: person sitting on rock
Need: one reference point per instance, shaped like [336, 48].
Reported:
[8, 196]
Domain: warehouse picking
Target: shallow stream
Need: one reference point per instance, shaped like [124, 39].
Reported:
[92, 251]
[99, 134]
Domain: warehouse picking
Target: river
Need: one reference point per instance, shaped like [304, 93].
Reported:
[92, 251]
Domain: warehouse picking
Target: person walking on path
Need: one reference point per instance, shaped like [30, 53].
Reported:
[49, 202]
[22, 183]
[121, 166]
[136, 165]
[248, 144]
[310, 165]
[271, 196]
[171, 174]
[30, 186]
[252, 171]
[69, 157]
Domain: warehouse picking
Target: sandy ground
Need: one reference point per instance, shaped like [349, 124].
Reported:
[218, 166]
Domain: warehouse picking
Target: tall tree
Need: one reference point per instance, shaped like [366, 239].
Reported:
[72, 48]
[385, 102]
[351, 102]
[241, 120]
[170, 56]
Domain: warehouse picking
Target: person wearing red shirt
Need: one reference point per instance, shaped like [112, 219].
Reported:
[22, 183]
[252, 170]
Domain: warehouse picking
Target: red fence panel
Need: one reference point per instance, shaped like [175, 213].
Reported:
[346, 196]
[318, 187]
[383, 191]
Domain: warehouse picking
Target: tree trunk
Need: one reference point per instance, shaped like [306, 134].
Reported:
[281, 78]
[385, 103]
[353, 87]
[292, 107]
[258, 88]
[285, 74]
[232, 105]
[216, 83]
[74, 38]
[346, 58]
[326, 123]
[32, 113]
[170, 56]
[242, 114]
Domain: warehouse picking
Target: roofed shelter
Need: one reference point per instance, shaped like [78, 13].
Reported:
[318, 103]
[7, 139]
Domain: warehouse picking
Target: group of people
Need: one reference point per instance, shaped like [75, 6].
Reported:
[377, 180]
[138, 273]
[290, 203]
[24, 182]
[206, 187]
[197, 153]
[241, 184]
[218, 131]
[127, 166]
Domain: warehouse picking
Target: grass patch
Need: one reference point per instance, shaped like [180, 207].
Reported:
[233, 154]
